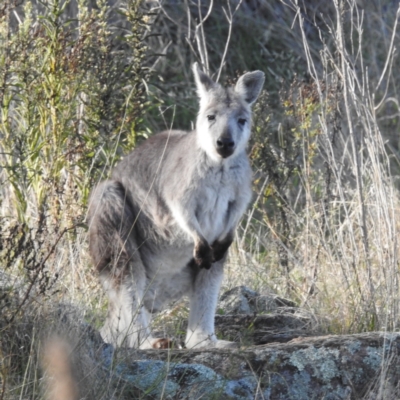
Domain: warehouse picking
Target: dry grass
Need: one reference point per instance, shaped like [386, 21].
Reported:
[324, 226]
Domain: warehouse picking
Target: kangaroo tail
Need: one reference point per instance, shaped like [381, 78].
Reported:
[111, 228]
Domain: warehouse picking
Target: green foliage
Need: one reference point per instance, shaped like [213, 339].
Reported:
[71, 103]
[71, 98]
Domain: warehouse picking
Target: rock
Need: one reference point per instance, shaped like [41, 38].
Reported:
[236, 301]
[246, 317]
[328, 367]
[325, 367]
[262, 329]
[170, 380]
[242, 300]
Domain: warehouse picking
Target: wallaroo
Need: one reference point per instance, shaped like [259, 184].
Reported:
[161, 226]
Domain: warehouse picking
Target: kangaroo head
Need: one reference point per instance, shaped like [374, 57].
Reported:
[224, 120]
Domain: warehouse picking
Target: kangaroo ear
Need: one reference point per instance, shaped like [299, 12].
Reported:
[203, 82]
[249, 85]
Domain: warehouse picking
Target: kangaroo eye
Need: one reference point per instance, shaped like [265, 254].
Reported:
[211, 117]
[242, 121]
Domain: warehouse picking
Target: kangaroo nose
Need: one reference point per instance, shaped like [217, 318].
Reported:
[225, 146]
[225, 143]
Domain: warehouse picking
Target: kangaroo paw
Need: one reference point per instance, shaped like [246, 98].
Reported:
[203, 255]
[165, 343]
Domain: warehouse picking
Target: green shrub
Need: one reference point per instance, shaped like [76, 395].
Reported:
[71, 97]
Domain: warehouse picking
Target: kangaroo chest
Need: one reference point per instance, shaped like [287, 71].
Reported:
[214, 205]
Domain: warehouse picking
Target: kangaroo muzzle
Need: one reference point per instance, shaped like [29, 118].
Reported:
[225, 146]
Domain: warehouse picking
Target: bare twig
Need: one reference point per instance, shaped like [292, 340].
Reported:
[390, 53]
[229, 17]
[39, 269]
[201, 38]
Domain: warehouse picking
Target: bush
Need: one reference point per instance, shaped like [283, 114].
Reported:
[71, 100]
[72, 97]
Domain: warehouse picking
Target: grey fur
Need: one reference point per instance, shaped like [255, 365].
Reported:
[161, 226]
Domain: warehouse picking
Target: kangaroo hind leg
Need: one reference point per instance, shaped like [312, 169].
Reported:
[115, 252]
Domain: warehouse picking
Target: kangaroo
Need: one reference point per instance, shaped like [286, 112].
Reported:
[161, 226]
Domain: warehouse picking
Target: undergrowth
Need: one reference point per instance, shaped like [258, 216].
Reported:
[72, 97]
